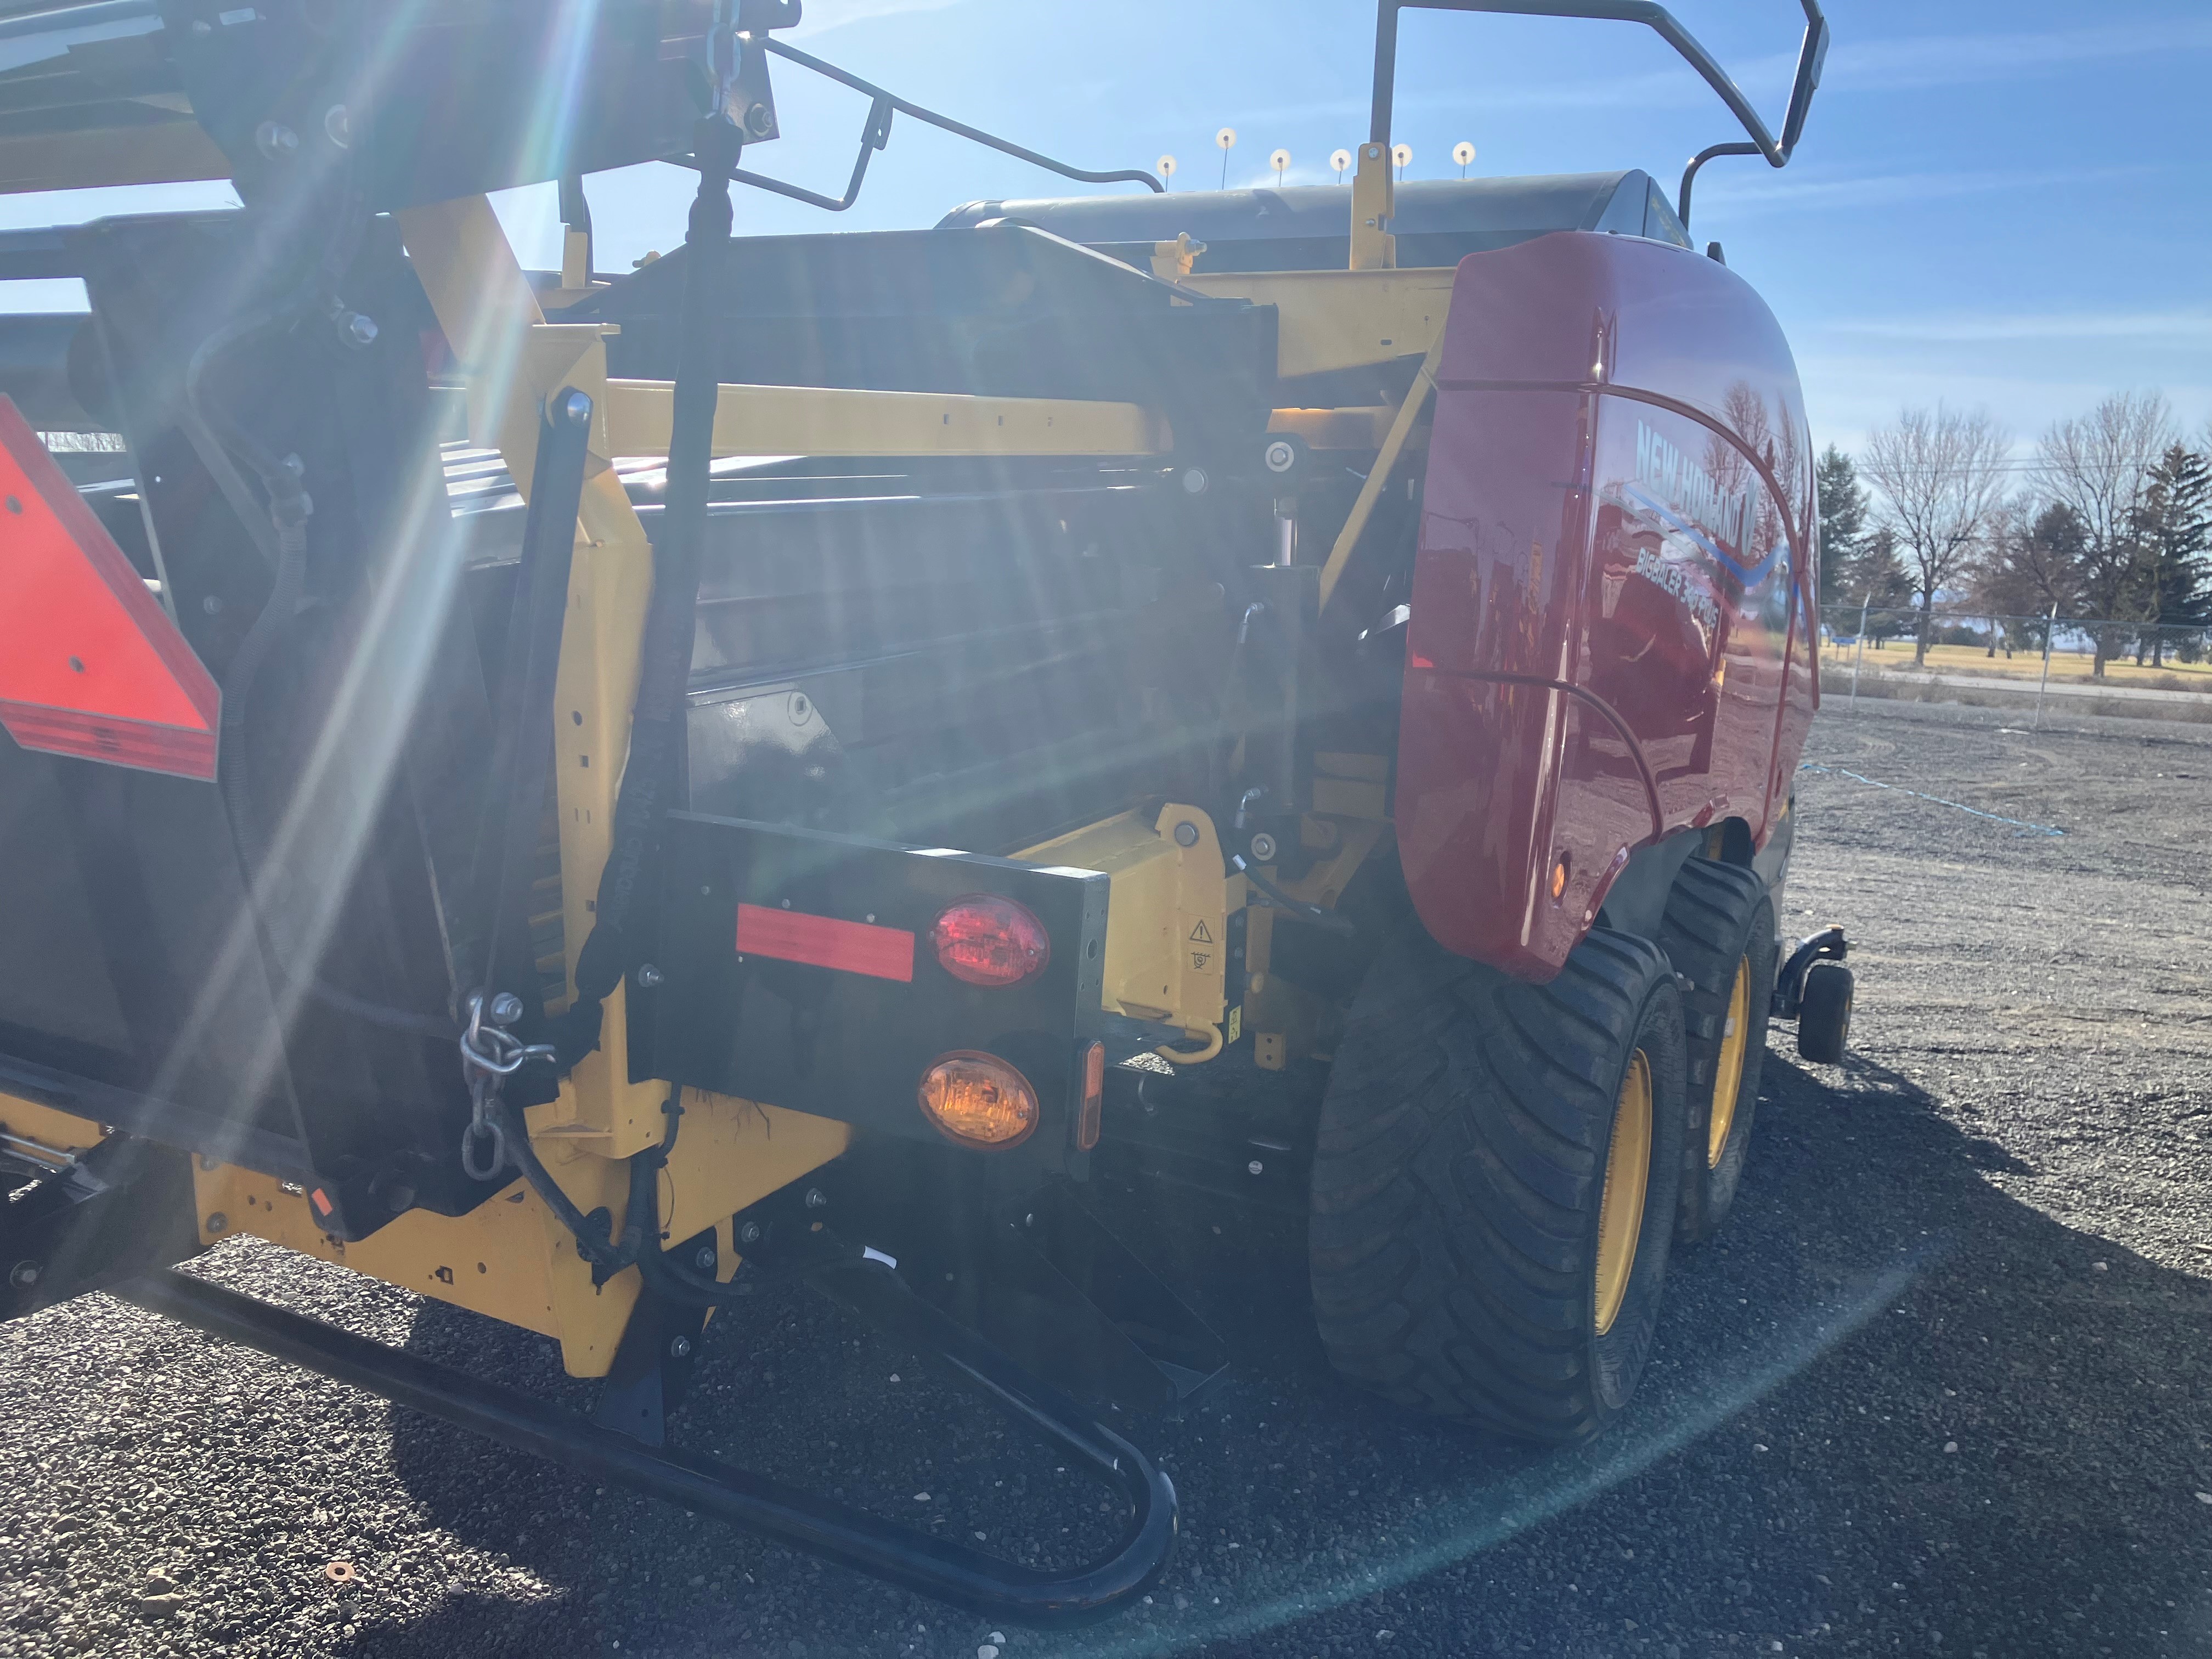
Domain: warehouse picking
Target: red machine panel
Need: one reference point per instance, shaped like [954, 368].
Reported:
[90, 665]
[1609, 637]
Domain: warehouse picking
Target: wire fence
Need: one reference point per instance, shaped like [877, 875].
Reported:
[2077, 644]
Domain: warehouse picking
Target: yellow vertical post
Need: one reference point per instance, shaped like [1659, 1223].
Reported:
[1374, 204]
[514, 359]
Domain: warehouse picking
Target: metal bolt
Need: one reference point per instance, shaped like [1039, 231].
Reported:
[817, 1198]
[337, 126]
[276, 141]
[356, 329]
[649, 976]
[212, 605]
[575, 408]
[1193, 481]
[218, 1223]
[1253, 1167]
[1263, 847]
[1186, 834]
[750, 1233]
[759, 122]
[506, 1009]
[1280, 456]
[680, 1348]
[23, 1275]
[704, 1260]
[207, 1161]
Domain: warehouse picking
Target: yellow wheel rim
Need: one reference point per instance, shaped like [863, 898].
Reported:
[1727, 1074]
[1620, 1206]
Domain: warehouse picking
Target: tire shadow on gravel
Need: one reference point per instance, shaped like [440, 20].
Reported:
[1891, 1405]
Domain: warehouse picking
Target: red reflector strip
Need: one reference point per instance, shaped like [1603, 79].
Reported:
[850, 947]
[173, 749]
[90, 665]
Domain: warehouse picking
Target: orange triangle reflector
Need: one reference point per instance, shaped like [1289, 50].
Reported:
[90, 664]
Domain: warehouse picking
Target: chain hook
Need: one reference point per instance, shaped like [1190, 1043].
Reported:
[489, 1056]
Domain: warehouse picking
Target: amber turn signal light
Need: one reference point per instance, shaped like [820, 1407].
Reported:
[1094, 1097]
[984, 939]
[979, 1100]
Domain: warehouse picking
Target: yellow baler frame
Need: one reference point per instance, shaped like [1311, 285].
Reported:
[510, 1258]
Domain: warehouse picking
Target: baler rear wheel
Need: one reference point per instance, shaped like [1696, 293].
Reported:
[1496, 1182]
[1719, 934]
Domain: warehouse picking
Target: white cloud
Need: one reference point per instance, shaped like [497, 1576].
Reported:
[1765, 190]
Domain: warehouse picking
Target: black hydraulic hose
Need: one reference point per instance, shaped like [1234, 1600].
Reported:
[656, 735]
[639, 1244]
[1334, 921]
[593, 1242]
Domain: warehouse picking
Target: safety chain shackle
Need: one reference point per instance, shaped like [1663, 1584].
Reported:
[491, 1053]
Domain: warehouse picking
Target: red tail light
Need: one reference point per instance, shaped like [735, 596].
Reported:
[90, 665]
[985, 940]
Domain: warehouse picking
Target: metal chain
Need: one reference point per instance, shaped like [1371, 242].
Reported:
[489, 1056]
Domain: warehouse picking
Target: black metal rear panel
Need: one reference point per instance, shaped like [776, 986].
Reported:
[851, 1044]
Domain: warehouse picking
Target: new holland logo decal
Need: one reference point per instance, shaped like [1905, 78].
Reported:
[1692, 502]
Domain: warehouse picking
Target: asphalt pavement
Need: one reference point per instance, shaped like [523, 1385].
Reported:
[1943, 1386]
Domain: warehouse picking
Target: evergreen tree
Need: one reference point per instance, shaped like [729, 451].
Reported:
[1843, 522]
[1874, 578]
[2035, 566]
[2175, 524]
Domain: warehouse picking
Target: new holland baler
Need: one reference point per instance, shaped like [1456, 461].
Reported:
[588, 797]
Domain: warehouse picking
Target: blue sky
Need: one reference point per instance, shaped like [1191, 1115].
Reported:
[2003, 203]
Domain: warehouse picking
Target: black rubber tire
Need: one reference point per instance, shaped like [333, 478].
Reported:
[1718, 919]
[1824, 1014]
[1457, 1181]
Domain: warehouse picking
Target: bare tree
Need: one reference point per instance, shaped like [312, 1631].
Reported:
[2099, 466]
[1940, 474]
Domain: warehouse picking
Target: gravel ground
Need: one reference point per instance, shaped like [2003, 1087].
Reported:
[1944, 1386]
